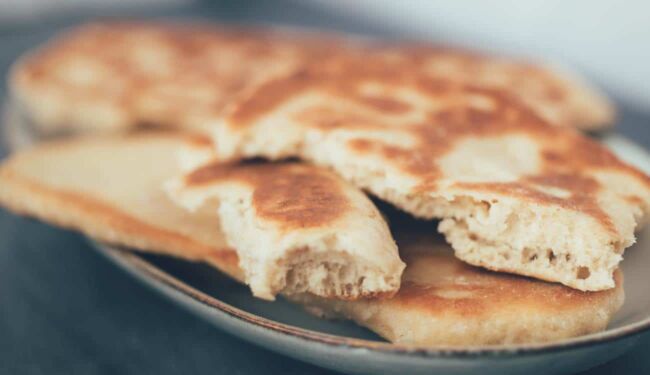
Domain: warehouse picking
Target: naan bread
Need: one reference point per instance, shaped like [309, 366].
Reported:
[110, 189]
[513, 192]
[113, 76]
[296, 228]
[109, 76]
[562, 98]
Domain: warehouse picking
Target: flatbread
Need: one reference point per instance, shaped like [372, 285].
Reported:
[444, 301]
[296, 228]
[116, 76]
[514, 193]
[299, 228]
[562, 98]
[110, 190]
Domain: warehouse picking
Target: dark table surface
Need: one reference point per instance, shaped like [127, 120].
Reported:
[66, 310]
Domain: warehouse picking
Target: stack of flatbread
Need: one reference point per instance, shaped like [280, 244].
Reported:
[256, 151]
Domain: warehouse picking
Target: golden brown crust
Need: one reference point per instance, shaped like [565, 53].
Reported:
[295, 195]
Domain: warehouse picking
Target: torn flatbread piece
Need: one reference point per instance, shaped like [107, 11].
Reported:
[296, 228]
[109, 189]
[300, 228]
[513, 192]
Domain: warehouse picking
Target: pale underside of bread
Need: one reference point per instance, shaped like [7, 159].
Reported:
[441, 301]
[513, 192]
[296, 228]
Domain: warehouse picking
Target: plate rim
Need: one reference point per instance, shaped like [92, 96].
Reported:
[133, 262]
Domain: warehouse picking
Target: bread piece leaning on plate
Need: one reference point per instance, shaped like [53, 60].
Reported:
[297, 228]
[110, 190]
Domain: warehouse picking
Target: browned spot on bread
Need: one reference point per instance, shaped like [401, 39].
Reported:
[226, 259]
[199, 140]
[633, 199]
[469, 291]
[384, 103]
[295, 195]
[326, 118]
[269, 95]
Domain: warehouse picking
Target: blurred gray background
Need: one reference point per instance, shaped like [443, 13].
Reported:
[66, 310]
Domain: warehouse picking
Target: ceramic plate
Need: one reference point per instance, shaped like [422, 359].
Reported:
[287, 329]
